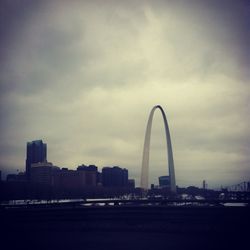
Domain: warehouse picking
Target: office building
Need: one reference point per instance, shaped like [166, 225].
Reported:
[36, 152]
[114, 177]
[131, 183]
[11, 177]
[43, 173]
[20, 177]
[74, 179]
[90, 173]
[164, 181]
[99, 179]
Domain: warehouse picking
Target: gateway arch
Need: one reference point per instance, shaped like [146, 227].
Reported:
[146, 149]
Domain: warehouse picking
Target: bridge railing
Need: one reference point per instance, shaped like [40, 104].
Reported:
[135, 202]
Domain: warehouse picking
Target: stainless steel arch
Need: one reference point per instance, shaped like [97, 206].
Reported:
[145, 158]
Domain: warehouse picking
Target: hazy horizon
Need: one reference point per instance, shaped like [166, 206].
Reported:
[84, 75]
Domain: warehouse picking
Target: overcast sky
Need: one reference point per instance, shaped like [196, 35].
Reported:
[84, 75]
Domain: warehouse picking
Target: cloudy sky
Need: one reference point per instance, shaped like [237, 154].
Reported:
[84, 75]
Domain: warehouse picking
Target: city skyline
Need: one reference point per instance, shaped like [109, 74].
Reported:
[82, 76]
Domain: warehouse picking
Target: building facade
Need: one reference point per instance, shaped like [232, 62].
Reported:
[164, 181]
[114, 177]
[90, 173]
[43, 173]
[131, 183]
[36, 152]
[75, 179]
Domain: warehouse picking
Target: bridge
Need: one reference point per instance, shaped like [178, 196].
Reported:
[125, 202]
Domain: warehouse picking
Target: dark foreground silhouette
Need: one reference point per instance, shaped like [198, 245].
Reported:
[125, 227]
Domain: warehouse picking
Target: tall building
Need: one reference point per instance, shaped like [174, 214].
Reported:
[36, 152]
[20, 177]
[114, 177]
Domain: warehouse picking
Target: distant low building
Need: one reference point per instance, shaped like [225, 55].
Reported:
[164, 181]
[131, 183]
[11, 177]
[99, 179]
[43, 173]
[20, 177]
[114, 177]
[90, 174]
[84, 176]
[88, 168]
[47, 174]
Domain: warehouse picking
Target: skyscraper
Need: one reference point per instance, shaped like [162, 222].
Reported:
[36, 152]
